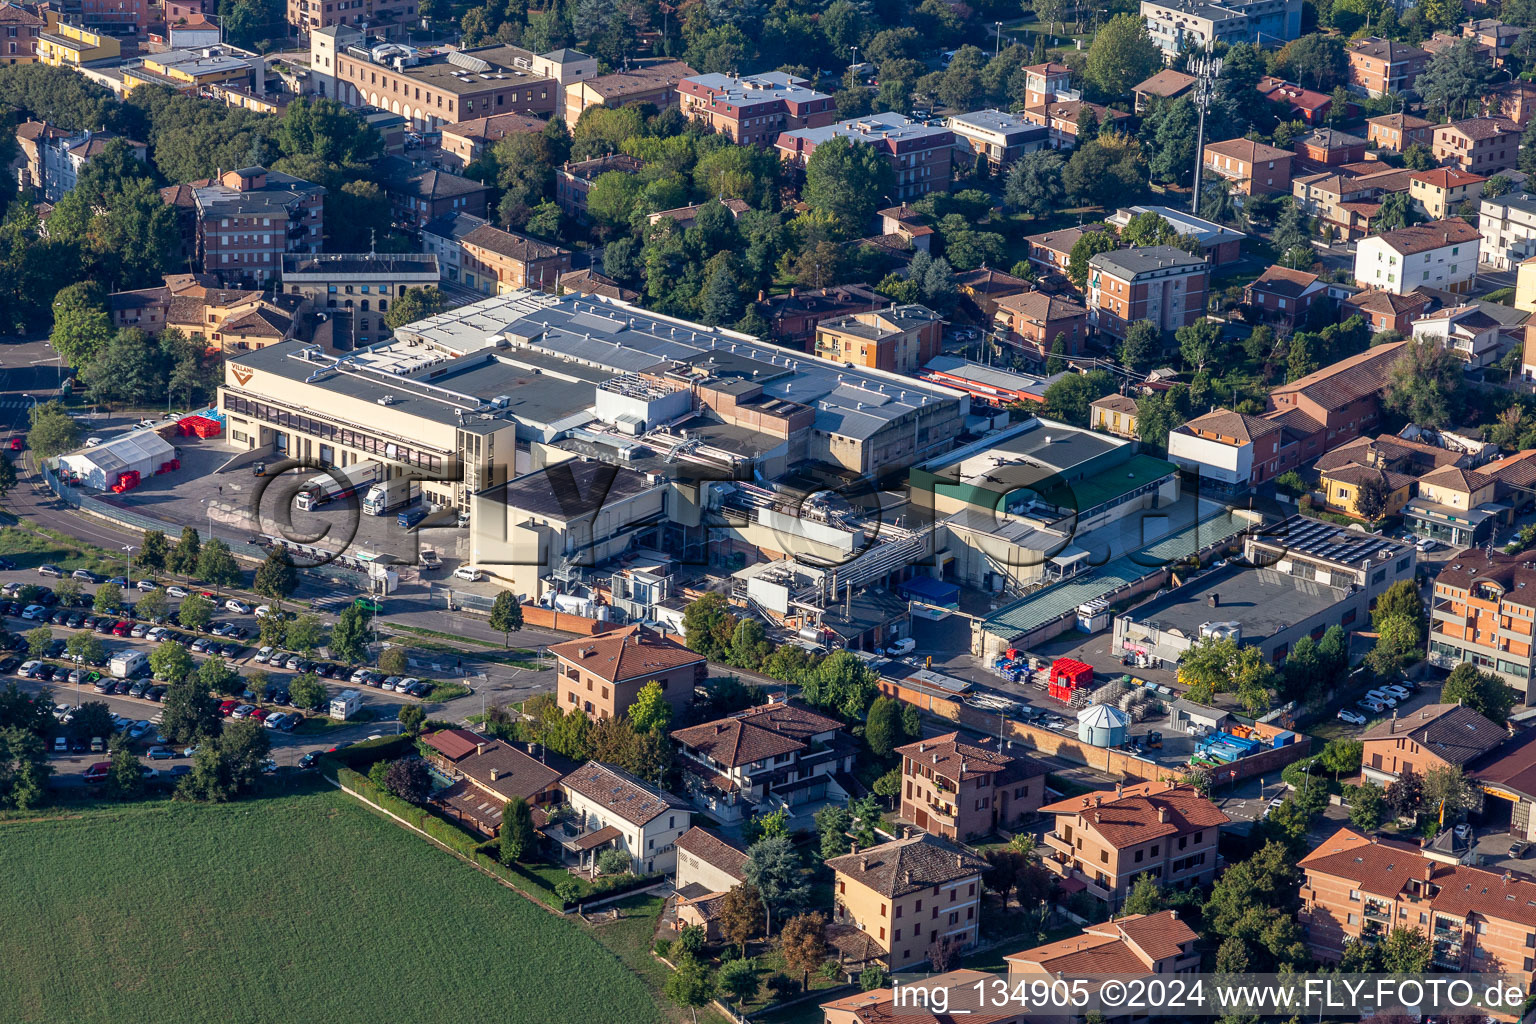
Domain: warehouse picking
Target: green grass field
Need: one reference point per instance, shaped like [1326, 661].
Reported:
[299, 908]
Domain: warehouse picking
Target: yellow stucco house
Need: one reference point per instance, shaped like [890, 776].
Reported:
[1393, 462]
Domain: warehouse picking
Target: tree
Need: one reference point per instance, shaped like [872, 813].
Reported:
[1397, 211]
[1121, 55]
[506, 616]
[307, 691]
[1068, 399]
[691, 939]
[1367, 807]
[1143, 346]
[170, 661]
[1483, 692]
[220, 678]
[803, 944]
[1401, 598]
[1200, 343]
[882, 730]
[1145, 897]
[773, 870]
[689, 984]
[1398, 640]
[703, 621]
[1405, 794]
[409, 779]
[196, 612]
[1406, 951]
[86, 649]
[651, 711]
[185, 554]
[276, 578]
[7, 476]
[1372, 498]
[39, 639]
[415, 304]
[872, 978]
[216, 564]
[1252, 905]
[1033, 185]
[153, 552]
[125, 777]
[1091, 244]
[833, 824]
[81, 323]
[53, 431]
[741, 914]
[1316, 60]
[848, 181]
[349, 637]
[738, 979]
[153, 605]
[841, 683]
[944, 953]
[749, 645]
[191, 712]
[1057, 362]
[1424, 384]
[1456, 79]
[307, 633]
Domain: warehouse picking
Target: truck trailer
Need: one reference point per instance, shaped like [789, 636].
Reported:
[336, 483]
[385, 496]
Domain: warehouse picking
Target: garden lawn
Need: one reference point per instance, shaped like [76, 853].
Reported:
[300, 908]
[30, 546]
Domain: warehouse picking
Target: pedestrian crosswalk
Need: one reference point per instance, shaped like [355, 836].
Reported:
[322, 603]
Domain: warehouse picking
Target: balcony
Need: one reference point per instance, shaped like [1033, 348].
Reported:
[1376, 912]
[1058, 843]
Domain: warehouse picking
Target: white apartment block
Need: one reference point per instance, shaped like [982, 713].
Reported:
[1508, 226]
[1441, 254]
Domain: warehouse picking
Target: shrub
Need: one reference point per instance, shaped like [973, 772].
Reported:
[691, 939]
[783, 986]
[663, 947]
[568, 890]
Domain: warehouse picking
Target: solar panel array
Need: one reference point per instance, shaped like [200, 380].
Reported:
[1327, 541]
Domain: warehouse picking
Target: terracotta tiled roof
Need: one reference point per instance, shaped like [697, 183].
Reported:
[627, 653]
[1329, 138]
[1284, 281]
[757, 733]
[504, 769]
[1518, 469]
[511, 245]
[1165, 83]
[620, 792]
[946, 755]
[1248, 151]
[1130, 945]
[497, 126]
[640, 79]
[1509, 572]
[1447, 177]
[1041, 307]
[1233, 424]
[1348, 380]
[589, 282]
[714, 851]
[453, 743]
[1387, 50]
[1402, 122]
[1137, 814]
[260, 322]
[1061, 240]
[1115, 403]
[1467, 480]
[1388, 303]
[905, 866]
[1424, 237]
[1449, 731]
[1159, 935]
[1477, 128]
[1387, 868]
[10, 14]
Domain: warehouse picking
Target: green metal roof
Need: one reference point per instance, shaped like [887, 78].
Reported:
[1052, 602]
[1114, 481]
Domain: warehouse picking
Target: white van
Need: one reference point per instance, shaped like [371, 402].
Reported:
[125, 663]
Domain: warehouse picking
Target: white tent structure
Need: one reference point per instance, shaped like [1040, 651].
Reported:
[100, 466]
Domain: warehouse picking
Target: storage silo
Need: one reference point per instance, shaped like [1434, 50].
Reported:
[1102, 725]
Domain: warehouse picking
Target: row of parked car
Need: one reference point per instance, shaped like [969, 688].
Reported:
[1378, 701]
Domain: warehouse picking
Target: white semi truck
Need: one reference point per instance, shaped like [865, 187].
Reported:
[337, 483]
[387, 495]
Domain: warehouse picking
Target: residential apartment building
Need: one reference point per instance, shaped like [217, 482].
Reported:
[20, 31]
[495, 262]
[1341, 400]
[419, 196]
[1359, 888]
[1296, 103]
[1035, 320]
[464, 142]
[126, 19]
[52, 158]
[1051, 251]
[191, 71]
[1046, 83]
[1392, 462]
[1440, 254]
[64, 45]
[1515, 100]
[431, 89]
[1508, 226]
[1386, 311]
[898, 338]
[1379, 66]
[1180, 25]
[601, 675]
[995, 139]
[655, 83]
[1061, 118]
[1328, 147]
[1284, 295]
[1458, 506]
[1441, 191]
[1478, 333]
[1397, 132]
[574, 181]
[1106, 840]
[1425, 739]
[707, 869]
[366, 283]
[1343, 202]
[1254, 167]
[1494, 34]
[1478, 145]
[754, 109]
[1229, 450]
[384, 17]
[1157, 943]
[1217, 242]
[614, 809]
[921, 155]
[961, 789]
[779, 754]
[1484, 612]
[794, 315]
[249, 218]
[1114, 414]
[441, 238]
[892, 901]
[1160, 284]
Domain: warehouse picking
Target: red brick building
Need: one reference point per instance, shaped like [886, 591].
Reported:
[1399, 131]
[1159, 284]
[1036, 319]
[248, 218]
[601, 675]
[1479, 145]
[1283, 295]
[19, 29]
[754, 109]
[922, 156]
[1329, 147]
[958, 789]
[1380, 66]
[1386, 311]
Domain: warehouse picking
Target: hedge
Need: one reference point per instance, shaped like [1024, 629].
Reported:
[368, 751]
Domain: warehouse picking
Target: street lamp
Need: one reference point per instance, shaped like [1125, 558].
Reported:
[128, 566]
[997, 43]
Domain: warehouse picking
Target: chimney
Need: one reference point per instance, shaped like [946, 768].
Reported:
[1097, 817]
[495, 774]
[1098, 798]
[906, 878]
[1429, 869]
[864, 863]
[479, 749]
[922, 748]
[959, 860]
[1162, 814]
[855, 847]
[1119, 789]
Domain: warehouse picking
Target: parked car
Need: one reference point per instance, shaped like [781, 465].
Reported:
[1373, 706]
[237, 606]
[161, 753]
[146, 585]
[97, 773]
[265, 655]
[1382, 697]
[465, 572]
[308, 760]
[231, 650]
[243, 711]
[1400, 692]
[156, 693]
[176, 771]
[139, 728]
[1352, 717]
[50, 570]
[227, 708]
[84, 576]
[276, 720]
[429, 560]
[1518, 847]
[176, 591]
